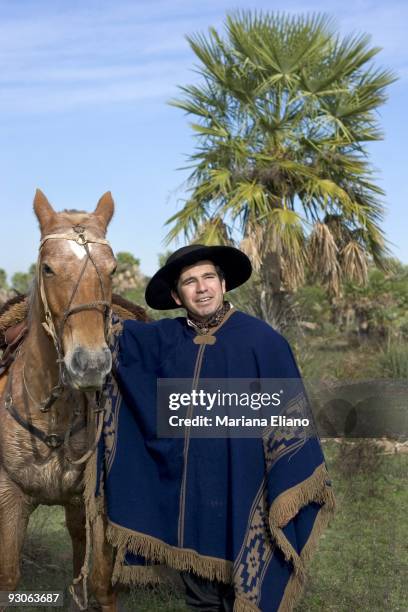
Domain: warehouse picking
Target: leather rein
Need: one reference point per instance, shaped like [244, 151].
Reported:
[93, 401]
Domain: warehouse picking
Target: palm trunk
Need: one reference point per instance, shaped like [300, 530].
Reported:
[271, 294]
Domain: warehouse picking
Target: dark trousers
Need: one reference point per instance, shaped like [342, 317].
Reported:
[207, 595]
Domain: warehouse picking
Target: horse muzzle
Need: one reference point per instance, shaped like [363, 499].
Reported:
[87, 369]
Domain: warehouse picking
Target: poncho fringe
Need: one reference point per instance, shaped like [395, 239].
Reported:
[138, 575]
[94, 505]
[296, 584]
[157, 551]
[242, 605]
[287, 505]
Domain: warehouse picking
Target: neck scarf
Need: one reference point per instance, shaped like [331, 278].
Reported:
[213, 320]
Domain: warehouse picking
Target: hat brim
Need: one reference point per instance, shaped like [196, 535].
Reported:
[235, 265]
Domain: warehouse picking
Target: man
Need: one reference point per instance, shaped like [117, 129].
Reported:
[239, 517]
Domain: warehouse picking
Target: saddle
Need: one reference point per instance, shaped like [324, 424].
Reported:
[14, 324]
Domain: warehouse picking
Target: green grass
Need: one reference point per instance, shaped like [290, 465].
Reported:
[361, 564]
[47, 556]
[321, 359]
[363, 556]
[394, 360]
[47, 566]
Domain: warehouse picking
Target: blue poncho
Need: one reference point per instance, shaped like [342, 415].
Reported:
[243, 511]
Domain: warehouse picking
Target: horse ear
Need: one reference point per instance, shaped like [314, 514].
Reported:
[43, 209]
[105, 209]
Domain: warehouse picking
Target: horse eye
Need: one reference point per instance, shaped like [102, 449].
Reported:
[47, 270]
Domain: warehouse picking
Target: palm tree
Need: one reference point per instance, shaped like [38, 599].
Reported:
[282, 114]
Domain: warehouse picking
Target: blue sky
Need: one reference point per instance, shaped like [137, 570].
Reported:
[83, 92]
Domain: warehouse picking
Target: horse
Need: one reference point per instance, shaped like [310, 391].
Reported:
[50, 407]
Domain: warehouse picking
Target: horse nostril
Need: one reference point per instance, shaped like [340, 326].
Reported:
[80, 360]
[104, 360]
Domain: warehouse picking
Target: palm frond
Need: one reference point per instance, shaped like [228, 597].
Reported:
[213, 232]
[322, 256]
[253, 245]
[186, 221]
[355, 265]
[249, 194]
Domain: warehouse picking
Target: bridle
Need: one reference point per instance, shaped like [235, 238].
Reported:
[80, 235]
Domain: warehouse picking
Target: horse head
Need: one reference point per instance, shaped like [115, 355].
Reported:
[74, 286]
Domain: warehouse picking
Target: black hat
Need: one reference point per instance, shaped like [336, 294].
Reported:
[233, 262]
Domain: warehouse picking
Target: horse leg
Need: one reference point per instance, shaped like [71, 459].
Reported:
[102, 568]
[15, 511]
[75, 522]
[102, 564]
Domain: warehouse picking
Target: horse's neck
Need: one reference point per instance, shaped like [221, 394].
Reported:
[39, 357]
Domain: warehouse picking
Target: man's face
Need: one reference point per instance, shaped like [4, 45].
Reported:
[200, 290]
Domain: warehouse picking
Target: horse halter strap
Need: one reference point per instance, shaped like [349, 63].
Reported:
[81, 237]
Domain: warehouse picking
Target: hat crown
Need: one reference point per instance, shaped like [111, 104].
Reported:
[184, 251]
